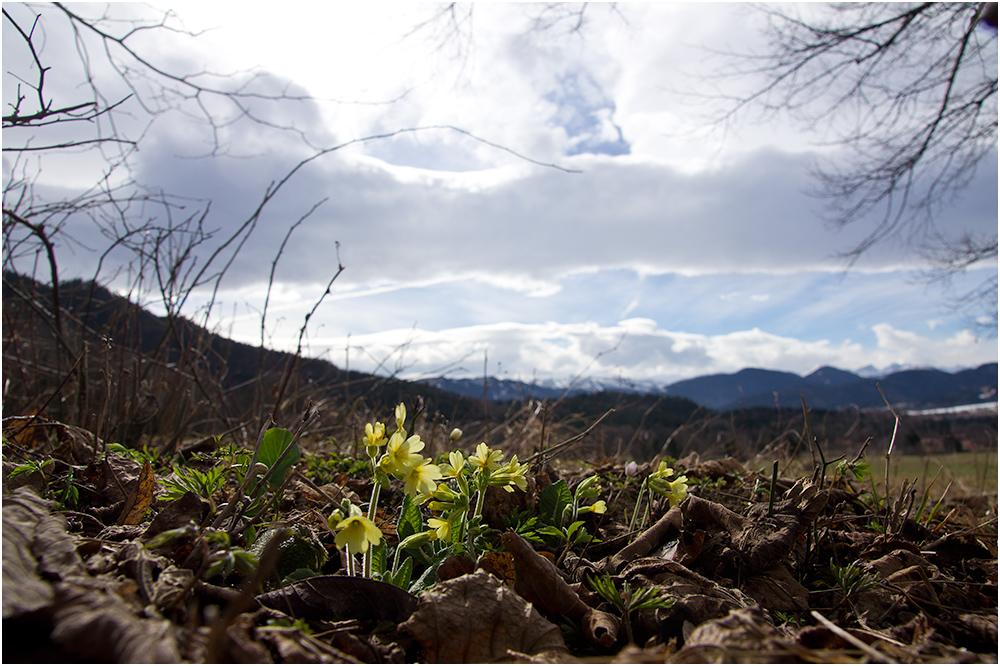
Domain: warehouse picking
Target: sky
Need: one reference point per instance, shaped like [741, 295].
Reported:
[565, 213]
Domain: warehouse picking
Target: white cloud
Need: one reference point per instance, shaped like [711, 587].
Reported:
[686, 255]
[526, 232]
[636, 350]
[677, 327]
[910, 348]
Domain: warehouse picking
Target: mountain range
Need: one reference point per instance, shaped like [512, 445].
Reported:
[825, 388]
[238, 365]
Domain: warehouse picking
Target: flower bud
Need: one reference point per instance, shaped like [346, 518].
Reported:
[588, 488]
[455, 435]
[415, 540]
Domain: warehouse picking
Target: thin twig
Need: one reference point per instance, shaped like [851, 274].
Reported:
[861, 645]
[888, 454]
[544, 456]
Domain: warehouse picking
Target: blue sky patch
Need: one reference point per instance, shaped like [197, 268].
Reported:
[586, 113]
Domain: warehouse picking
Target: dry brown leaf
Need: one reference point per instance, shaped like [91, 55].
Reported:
[33, 541]
[600, 628]
[341, 597]
[660, 531]
[538, 580]
[177, 513]
[28, 432]
[709, 469]
[294, 646]
[171, 587]
[776, 589]
[501, 621]
[100, 626]
[706, 512]
[897, 560]
[23, 590]
[500, 565]
[140, 498]
[113, 475]
[237, 647]
[743, 636]
[698, 599]
[454, 566]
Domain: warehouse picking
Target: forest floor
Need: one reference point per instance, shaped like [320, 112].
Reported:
[112, 555]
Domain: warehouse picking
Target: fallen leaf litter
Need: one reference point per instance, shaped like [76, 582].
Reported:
[750, 581]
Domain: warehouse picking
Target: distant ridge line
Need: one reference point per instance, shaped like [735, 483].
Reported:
[827, 387]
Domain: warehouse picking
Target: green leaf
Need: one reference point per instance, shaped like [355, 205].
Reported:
[409, 522]
[169, 536]
[402, 577]
[426, 580]
[577, 533]
[249, 534]
[553, 500]
[276, 440]
[378, 558]
[605, 587]
[298, 574]
[649, 597]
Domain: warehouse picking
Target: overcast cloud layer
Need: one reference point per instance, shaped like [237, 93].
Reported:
[648, 255]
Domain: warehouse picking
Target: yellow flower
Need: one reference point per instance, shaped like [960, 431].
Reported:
[675, 490]
[511, 474]
[440, 528]
[597, 507]
[678, 489]
[375, 434]
[356, 533]
[662, 471]
[420, 479]
[442, 499]
[454, 466]
[401, 454]
[374, 438]
[486, 458]
[400, 416]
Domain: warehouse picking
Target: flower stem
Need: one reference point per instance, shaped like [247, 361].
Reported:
[479, 503]
[644, 487]
[372, 507]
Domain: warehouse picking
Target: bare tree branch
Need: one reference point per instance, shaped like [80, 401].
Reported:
[907, 93]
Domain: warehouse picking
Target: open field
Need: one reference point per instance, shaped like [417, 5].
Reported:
[970, 473]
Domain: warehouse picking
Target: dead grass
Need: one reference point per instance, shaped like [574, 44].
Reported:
[970, 473]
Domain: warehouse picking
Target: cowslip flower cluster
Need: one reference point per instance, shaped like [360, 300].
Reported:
[588, 489]
[402, 457]
[675, 490]
[399, 456]
[659, 482]
[471, 477]
[402, 460]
